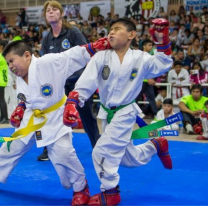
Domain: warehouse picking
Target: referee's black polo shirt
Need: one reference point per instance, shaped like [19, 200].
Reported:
[68, 38]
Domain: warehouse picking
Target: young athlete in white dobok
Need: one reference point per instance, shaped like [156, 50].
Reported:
[118, 74]
[40, 86]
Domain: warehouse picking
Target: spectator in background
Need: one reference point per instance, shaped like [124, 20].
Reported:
[116, 16]
[172, 27]
[197, 25]
[193, 18]
[162, 13]
[166, 111]
[181, 34]
[202, 38]
[22, 15]
[195, 51]
[182, 10]
[204, 120]
[108, 18]
[86, 29]
[17, 19]
[198, 75]
[206, 20]
[3, 36]
[3, 84]
[36, 53]
[185, 61]
[188, 22]
[94, 34]
[67, 36]
[191, 106]
[203, 15]
[17, 35]
[204, 62]
[147, 87]
[107, 25]
[188, 39]
[206, 32]
[161, 97]
[174, 36]
[177, 77]
[2, 19]
[10, 93]
[182, 19]
[173, 16]
[190, 10]
[101, 28]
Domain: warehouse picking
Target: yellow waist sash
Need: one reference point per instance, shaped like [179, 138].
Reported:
[31, 127]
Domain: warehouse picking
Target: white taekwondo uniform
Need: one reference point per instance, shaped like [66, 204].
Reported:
[46, 80]
[179, 92]
[119, 84]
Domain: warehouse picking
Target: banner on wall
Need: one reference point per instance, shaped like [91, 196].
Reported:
[73, 9]
[35, 14]
[197, 5]
[95, 8]
[137, 8]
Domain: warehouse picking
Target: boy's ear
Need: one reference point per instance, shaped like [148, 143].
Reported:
[28, 55]
[132, 34]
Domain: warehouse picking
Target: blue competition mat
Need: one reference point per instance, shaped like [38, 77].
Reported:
[36, 183]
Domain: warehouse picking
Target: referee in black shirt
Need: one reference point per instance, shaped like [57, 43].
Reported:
[60, 38]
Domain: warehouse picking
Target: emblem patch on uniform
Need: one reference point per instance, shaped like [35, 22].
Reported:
[105, 72]
[46, 90]
[133, 74]
[65, 44]
[38, 135]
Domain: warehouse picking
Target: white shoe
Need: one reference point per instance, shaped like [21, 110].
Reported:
[189, 129]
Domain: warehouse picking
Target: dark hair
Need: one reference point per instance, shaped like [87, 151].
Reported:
[168, 101]
[145, 42]
[201, 70]
[180, 50]
[17, 47]
[177, 63]
[197, 86]
[163, 88]
[102, 33]
[188, 31]
[130, 26]
[3, 43]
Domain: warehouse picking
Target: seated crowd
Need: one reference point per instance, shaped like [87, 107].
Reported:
[189, 41]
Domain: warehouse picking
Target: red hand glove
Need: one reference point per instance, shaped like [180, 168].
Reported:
[17, 115]
[71, 114]
[161, 26]
[99, 45]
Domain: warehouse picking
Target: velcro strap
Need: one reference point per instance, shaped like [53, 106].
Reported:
[22, 104]
[164, 47]
[90, 49]
[72, 101]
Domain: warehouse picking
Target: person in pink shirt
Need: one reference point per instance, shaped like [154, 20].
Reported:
[198, 75]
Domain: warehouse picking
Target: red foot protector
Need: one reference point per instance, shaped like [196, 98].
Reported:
[108, 198]
[82, 197]
[161, 145]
